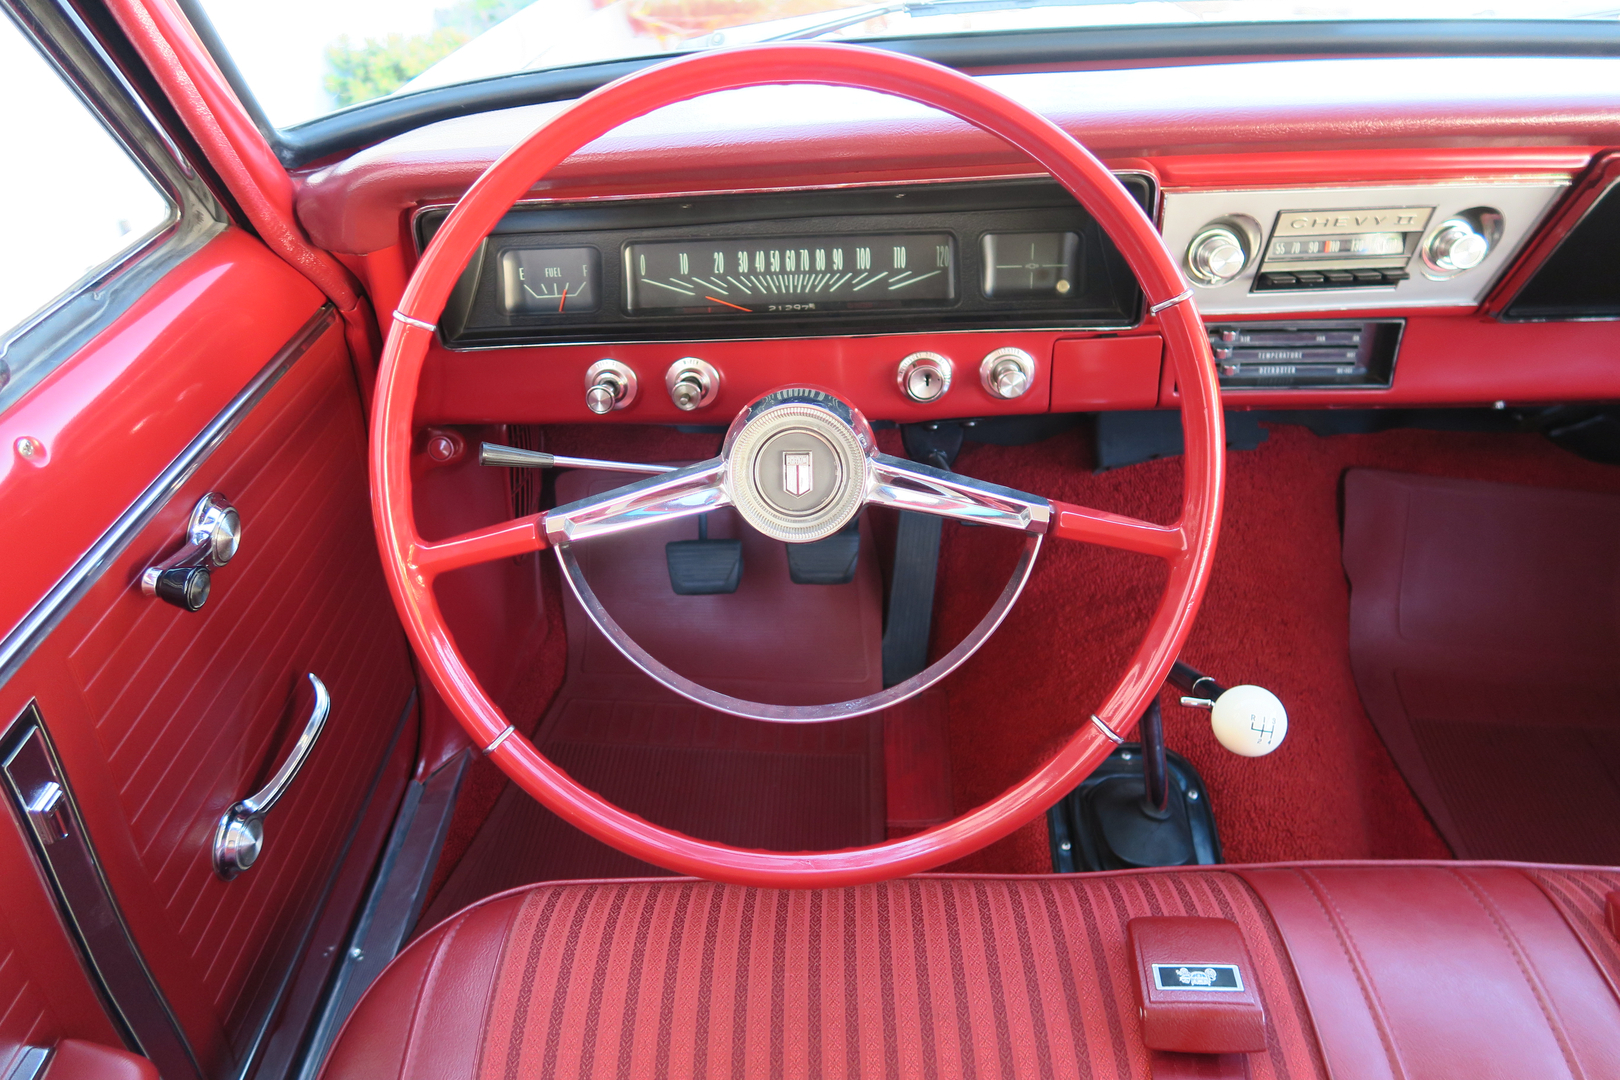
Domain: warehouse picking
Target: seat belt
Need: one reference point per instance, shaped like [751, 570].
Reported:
[916, 560]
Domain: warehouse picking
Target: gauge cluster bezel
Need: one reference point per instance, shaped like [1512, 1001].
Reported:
[1107, 296]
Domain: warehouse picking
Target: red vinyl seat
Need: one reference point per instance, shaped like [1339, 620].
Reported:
[1409, 971]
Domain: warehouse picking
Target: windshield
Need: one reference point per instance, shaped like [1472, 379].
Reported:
[306, 58]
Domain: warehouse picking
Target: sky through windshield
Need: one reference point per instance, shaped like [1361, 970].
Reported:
[305, 58]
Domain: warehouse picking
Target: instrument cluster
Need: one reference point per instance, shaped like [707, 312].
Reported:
[1012, 254]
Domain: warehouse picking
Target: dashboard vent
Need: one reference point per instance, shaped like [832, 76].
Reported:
[1325, 355]
[1581, 278]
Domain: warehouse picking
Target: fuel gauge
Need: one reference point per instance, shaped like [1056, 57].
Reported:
[550, 281]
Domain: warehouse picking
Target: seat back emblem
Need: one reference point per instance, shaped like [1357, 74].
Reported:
[1215, 977]
[797, 472]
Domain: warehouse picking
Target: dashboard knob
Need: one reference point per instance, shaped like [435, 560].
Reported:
[1007, 373]
[609, 385]
[692, 383]
[1217, 255]
[1456, 246]
[924, 376]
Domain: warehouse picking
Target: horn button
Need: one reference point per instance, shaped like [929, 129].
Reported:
[796, 464]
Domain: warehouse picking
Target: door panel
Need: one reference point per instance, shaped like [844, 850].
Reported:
[163, 718]
[193, 711]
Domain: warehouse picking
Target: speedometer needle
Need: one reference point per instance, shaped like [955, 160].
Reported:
[728, 303]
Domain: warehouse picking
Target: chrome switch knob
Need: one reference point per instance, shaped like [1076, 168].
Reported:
[1216, 255]
[691, 383]
[1456, 246]
[609, 385]
[924, 376]
[1007, 373]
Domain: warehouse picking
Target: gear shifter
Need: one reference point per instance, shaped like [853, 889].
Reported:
[1248, 720]
[1156, 811]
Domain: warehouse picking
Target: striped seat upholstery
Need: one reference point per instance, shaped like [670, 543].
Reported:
[925, 977]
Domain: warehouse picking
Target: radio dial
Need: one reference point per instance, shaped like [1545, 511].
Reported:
[1457, 246]
[1217, 255]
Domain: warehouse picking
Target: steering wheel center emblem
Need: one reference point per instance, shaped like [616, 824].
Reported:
[797, 464]
[798, 472]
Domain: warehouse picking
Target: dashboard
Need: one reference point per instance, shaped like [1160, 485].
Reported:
[1391, 232]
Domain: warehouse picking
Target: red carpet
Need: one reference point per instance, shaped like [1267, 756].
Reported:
[1485, 637]
[786, 787]
[1277, 614]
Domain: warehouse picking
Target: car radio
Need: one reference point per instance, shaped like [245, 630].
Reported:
[1324, 249]
[1342, 248]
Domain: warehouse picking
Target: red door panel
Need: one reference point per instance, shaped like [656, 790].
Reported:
[163, 718]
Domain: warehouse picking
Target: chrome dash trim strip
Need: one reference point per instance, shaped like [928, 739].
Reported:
[20, 643]
[37, 788]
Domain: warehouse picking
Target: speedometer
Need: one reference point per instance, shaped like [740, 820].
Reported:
[790, 274]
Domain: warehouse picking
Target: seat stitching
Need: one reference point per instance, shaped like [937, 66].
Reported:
[493, 992]
[1215, 887]
[1585, 931]
[1369, 992]
[421, 994]
[1519, 957]
[1304, 1022]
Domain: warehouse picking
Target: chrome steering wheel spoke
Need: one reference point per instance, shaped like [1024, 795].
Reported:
[923, 489]
[695, 489]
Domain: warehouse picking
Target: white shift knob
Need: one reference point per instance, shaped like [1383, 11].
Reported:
[1249, 720]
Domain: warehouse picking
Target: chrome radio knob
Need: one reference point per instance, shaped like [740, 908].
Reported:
[924, 376]
[1456, 246]
[691, 383]
[1007, 373]
[1217, 255]
[609, 385]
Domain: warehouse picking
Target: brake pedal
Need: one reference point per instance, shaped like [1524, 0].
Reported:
[704, 567]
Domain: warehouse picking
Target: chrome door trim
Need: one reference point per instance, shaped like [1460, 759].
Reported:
[62, 848]
[20, 643]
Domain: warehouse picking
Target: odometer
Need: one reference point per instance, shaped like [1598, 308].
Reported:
[790, 274]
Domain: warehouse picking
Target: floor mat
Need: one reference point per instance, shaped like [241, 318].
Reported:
[784, 787]
[1485, 640]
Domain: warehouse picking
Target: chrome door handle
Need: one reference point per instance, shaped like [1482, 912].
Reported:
[240, 836]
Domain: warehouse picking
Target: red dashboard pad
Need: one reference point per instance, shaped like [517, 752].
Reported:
[1195, 986]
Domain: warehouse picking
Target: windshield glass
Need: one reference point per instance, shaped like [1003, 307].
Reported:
[306, 58]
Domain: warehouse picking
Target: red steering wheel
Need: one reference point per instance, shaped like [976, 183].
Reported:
[413, 564]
